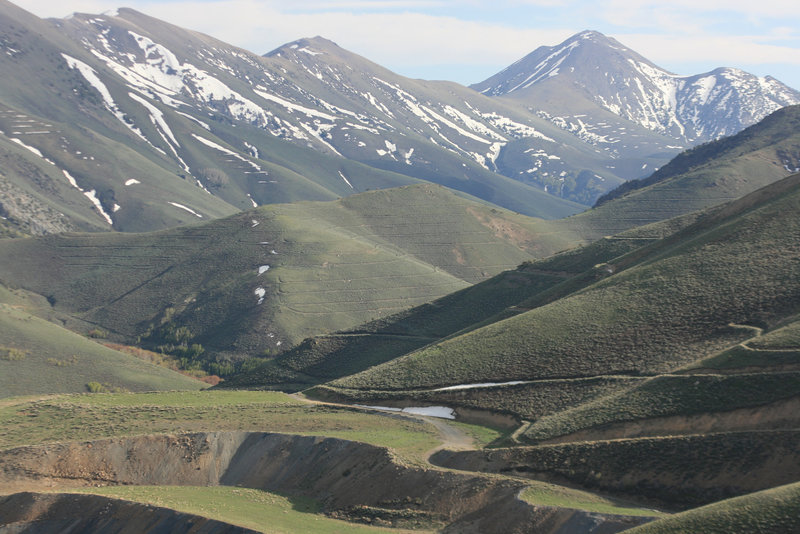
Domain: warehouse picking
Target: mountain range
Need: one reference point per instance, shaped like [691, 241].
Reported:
[350, 258]
[106, 117]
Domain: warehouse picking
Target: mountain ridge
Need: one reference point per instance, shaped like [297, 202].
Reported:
[691, 109]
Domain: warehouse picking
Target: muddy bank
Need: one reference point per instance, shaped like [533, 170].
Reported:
[342, 475]
[676, 472]
[52, 513]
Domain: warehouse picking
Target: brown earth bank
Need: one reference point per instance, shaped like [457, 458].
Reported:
[342, 475]
[677, 472]
[51, 513]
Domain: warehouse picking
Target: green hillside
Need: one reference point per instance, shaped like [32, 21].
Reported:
[258, 282]
[323, 358]
[664, 305]
[707, 175]
[37, 358]
[773, 511]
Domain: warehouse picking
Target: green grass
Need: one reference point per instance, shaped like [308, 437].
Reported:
[507, 294]
[38, 357]
[332, 266]
[86, 417]
[262, 511]
[544, 494]
[779, 348]
[773, 511]
[664, 396]
[667, 306]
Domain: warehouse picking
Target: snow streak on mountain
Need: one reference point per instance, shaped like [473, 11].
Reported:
[600, 69]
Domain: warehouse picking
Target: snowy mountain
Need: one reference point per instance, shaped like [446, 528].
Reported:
[598, 69]
[122, 121]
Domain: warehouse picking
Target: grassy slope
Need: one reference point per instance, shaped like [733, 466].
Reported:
[331, 266]
[38, 357]
[687, 395]
[778, 349]
[773, 511]
[757, 373]
[707, 175]
[261, 511]
[507, 294]
[737, 264]
[86, 417]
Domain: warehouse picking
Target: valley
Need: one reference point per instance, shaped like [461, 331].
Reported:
[299, 292]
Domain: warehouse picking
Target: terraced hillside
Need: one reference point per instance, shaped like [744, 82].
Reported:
[773, 510]
[256, 283]
[326, 357]
[668, 304]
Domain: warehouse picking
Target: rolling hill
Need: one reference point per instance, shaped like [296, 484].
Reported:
[647, 312]
[38, 357]
[740, 164]
[258, 282]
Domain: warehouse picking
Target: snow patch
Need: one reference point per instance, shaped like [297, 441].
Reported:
[90, 76]
[132, 181]
[346, 180]
[481, 385]
[292, 106]
[31, 148]
[181, 206]
[71, 180]
[198, 121]
[260, 292]
[224, 150]
[263, 269]
[91, 196]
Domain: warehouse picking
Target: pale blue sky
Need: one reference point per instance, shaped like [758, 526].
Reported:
[467, 41]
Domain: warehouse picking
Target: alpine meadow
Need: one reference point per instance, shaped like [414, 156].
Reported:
[300, 292]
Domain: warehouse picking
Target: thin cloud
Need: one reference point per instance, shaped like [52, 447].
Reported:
[720, 50]
[413, 36]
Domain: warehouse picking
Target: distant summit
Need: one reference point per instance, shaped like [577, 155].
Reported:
[593, 67]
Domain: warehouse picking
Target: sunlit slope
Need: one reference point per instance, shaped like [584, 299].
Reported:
[265, 279]
[673, 304]
[509, 293]
[38, 357]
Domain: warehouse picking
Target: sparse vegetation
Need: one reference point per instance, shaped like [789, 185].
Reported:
[12, 354]
[772, 511]
[96, 387]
